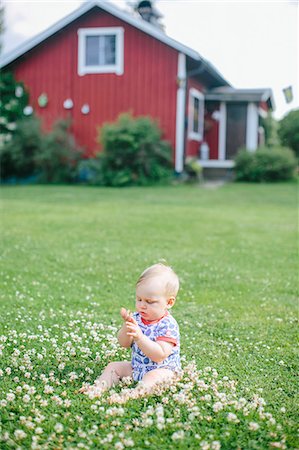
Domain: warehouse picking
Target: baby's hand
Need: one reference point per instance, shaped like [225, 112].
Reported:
[133, 329]
[126, 314]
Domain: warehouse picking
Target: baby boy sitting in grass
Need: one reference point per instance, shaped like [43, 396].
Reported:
[151, 332]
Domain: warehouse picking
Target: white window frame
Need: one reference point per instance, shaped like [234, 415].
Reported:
[118, 67]
[196, 135]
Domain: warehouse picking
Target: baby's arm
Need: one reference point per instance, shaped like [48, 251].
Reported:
[123, 338]
[156, 351]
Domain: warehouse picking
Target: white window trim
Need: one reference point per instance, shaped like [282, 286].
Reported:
[194, 93]
[118, 67]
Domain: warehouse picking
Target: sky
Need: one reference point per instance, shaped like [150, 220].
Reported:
[253, 44]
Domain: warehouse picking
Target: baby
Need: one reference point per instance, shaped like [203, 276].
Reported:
[151, 332]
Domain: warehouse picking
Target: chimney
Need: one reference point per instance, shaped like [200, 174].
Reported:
[149, 13]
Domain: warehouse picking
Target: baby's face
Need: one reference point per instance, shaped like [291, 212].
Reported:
[151, 301]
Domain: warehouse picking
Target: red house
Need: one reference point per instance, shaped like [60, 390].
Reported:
[100, 61]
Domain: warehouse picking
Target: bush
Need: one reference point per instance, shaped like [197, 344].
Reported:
[90, 171]
[288, 131]
[18, 155]
[266, 164]
[133, 153]
[51, 158]
[59, 155]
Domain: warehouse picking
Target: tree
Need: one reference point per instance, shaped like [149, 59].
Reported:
[270, 126]
[2, 27]
[288, 131]
[13, 100]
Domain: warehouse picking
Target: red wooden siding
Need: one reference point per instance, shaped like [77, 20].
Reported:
[192, 147]
[211, 134]
[147, 87]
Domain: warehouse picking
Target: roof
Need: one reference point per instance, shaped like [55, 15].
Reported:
[139, 23]
[227, 94]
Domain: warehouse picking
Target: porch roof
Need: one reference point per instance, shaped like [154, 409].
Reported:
[230, 94]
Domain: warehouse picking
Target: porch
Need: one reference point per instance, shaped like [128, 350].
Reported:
[232, 120]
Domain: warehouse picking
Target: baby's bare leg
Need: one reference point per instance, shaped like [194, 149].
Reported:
[143, 388]
[156, 376]
[111, 376]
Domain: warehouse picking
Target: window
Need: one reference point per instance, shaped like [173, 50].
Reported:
[196, 115]
[100, 50]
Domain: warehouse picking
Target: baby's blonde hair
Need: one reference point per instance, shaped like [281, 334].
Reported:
[160, 270]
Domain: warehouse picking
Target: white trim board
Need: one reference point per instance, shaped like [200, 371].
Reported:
[180, 114]
[222, 132]
[215, 163]
[252, 127]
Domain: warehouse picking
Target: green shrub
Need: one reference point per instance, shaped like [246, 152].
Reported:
[51, 157]
[133, 153]
[90, 171]
[17, 155]
[58, 156]
[266, 164]
[288, 131]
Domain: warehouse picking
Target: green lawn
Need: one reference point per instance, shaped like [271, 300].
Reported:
[70, 260]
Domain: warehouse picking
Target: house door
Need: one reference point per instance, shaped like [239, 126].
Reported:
[236, 116]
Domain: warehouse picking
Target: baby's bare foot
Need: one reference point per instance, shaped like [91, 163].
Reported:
[84, 389]
[97, 389]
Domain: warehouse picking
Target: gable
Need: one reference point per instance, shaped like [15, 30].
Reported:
[139, 24]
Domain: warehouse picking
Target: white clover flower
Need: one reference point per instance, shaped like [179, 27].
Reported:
[253, 426]
[10, 397]
[8, 370]
[119, 445]
[178, 435]
[48, 389]
[215, 445]
[19, 434]
[29, 424]
[148, 422]
[231, 417]
[43, 402]
[26, 398]
[58, 428]
[218, 406]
